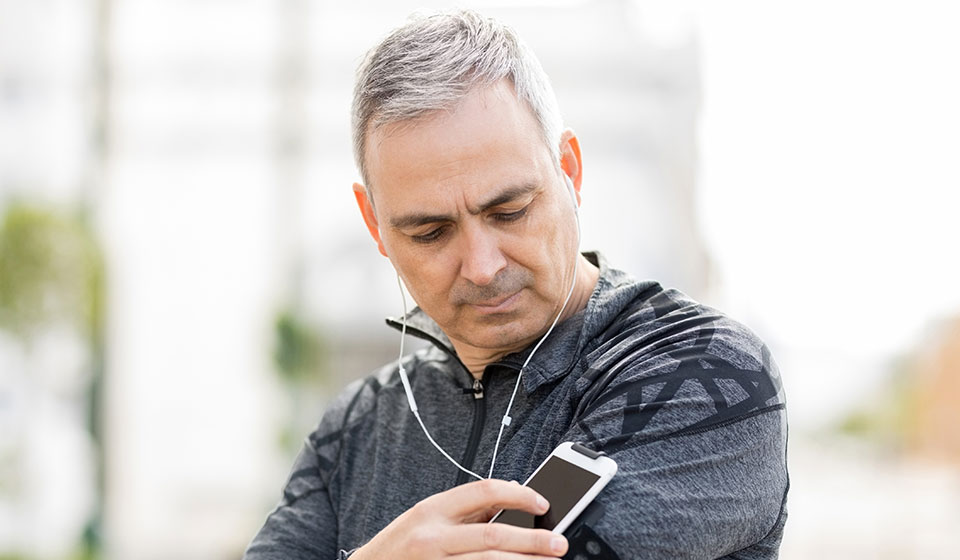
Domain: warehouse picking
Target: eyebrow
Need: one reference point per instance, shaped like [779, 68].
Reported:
[421, 218]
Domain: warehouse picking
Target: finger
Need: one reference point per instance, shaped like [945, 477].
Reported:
[500, 556]
[471, 501]
[477, 537]
[487, 515]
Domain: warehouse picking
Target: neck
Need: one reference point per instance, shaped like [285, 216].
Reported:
[477, 359]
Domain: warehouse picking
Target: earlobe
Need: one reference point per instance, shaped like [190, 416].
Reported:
[369, 216]
[570, 160]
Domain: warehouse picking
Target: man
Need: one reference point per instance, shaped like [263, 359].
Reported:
[471, 187]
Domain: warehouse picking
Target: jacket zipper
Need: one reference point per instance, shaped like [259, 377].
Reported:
[479, 403]
[479, 419]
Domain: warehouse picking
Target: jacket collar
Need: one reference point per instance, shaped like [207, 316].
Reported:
[559, 353]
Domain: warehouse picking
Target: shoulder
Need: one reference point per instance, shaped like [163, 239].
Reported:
[669, 365]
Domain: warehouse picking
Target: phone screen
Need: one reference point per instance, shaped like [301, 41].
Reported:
[562, 484]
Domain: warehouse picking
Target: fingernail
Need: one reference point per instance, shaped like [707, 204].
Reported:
[558, 544]
[542, 503]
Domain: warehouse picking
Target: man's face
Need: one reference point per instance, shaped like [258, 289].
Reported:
[475, 216]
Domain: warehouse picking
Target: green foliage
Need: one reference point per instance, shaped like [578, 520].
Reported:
[51, 269]
[299, 353]
[889, 417]
[300, 358]
[52, 272]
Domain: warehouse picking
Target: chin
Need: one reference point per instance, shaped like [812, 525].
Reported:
[509, 338]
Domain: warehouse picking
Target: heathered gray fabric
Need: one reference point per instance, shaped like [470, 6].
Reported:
[687, 401]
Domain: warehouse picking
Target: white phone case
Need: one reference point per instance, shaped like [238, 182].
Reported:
[600, 465]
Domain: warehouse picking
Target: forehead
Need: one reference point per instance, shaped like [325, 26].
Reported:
[490, 139]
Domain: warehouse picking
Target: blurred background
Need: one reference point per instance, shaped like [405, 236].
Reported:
[185, 280]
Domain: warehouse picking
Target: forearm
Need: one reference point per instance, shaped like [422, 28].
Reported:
[304, 524]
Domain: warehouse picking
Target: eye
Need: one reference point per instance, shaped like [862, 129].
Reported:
[429, 237]
[511, 216]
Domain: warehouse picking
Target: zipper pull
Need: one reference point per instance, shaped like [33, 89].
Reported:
[477, 389]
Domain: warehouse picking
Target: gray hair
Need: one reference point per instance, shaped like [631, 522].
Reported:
[432, 63]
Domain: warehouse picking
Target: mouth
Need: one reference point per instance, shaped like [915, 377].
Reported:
[500, 305]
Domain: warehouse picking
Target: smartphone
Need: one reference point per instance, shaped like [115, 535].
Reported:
[570, 478]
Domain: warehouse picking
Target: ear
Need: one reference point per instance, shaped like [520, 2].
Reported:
[570, 159]
[369, 216]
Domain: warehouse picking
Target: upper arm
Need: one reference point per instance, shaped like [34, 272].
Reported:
[699, 435]
[701, 495]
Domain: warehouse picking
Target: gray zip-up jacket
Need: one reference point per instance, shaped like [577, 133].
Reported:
[687, 401]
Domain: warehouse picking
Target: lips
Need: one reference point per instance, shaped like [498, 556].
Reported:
[497, 305]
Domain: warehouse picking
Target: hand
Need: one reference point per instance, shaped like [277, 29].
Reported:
[453, 524]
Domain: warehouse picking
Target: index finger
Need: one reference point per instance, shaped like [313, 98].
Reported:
[473, 500]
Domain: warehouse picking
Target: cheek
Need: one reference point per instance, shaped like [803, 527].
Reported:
[429, 278]
[547, 250]
[540, 244]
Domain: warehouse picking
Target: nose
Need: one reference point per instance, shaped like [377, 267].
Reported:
[481, 259]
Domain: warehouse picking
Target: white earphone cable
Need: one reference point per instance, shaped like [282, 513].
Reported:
[409, 390]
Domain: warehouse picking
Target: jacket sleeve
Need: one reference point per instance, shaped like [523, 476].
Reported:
[699, 437]
[304, 524]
